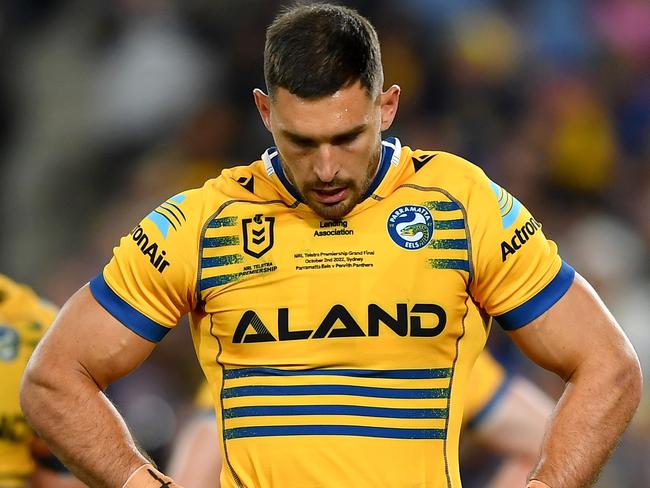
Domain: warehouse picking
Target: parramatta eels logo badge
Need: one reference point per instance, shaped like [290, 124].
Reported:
[258, 235]
[411, 226]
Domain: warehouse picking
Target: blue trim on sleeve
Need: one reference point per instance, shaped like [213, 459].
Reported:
[540, 303]
[489, 406]
[125, 313]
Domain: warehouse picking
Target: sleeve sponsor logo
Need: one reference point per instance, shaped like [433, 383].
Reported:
[520, 237]
[150, 249]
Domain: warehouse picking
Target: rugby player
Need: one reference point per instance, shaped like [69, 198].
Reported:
[340, 289]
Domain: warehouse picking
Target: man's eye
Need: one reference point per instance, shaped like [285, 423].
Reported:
[303, 143]
[346, 139]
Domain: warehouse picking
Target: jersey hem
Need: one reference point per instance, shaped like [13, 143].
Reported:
[540, 303]
[124, 312]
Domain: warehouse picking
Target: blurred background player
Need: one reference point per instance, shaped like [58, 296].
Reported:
[506, 415]
[24, 460]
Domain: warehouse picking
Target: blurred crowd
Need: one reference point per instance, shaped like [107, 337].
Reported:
[108, 108]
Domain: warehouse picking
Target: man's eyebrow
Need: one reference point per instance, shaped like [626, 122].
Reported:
[300, 138]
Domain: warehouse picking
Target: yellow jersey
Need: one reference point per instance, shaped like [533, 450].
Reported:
[24, 319]
[338, 352]
[203, 399]
[488, 381]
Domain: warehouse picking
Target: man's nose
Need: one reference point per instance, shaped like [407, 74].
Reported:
[325, 166]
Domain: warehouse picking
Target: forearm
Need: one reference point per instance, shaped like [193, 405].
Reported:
[81, 427]
[593, 412]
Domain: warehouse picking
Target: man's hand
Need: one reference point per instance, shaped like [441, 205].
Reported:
[146, 476]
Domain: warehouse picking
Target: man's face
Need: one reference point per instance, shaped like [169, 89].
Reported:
[329, 147]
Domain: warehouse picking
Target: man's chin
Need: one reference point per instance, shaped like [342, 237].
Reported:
[335, 211]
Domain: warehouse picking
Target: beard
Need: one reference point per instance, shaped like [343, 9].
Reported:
[356, 190]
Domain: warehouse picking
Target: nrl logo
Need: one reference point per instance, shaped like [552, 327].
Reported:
[258, 235]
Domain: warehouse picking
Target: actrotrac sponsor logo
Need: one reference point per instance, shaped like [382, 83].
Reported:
[520, 237]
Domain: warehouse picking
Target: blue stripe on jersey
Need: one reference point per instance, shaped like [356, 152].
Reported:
[442, 206]
[461, 264]
[221, 260]
[351, 430]
[449, 244]
[125, 313]
[540, 303]
[222, 222]
[357, 373]
[489, 406]
[220, 241]
[354, 410]
[362, 391]
[449, 224]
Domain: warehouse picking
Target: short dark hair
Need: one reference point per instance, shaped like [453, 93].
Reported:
[315, 50]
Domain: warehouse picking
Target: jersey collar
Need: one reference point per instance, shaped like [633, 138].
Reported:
[391, 150]
[271, 158]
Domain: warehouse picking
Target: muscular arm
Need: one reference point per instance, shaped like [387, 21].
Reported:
[580, 341]
[62, 398]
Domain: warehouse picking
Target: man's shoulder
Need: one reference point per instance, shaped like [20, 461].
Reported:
[445, 171]
[243, 183]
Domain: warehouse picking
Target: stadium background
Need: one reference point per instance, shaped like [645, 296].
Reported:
[108, 108]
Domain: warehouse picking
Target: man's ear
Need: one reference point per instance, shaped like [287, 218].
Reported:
[389, 101]
[263, 104]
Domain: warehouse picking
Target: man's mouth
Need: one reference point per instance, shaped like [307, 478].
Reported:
[330, 196]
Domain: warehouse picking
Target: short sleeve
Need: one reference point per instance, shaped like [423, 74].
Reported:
[149, 283]
[518, 273]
